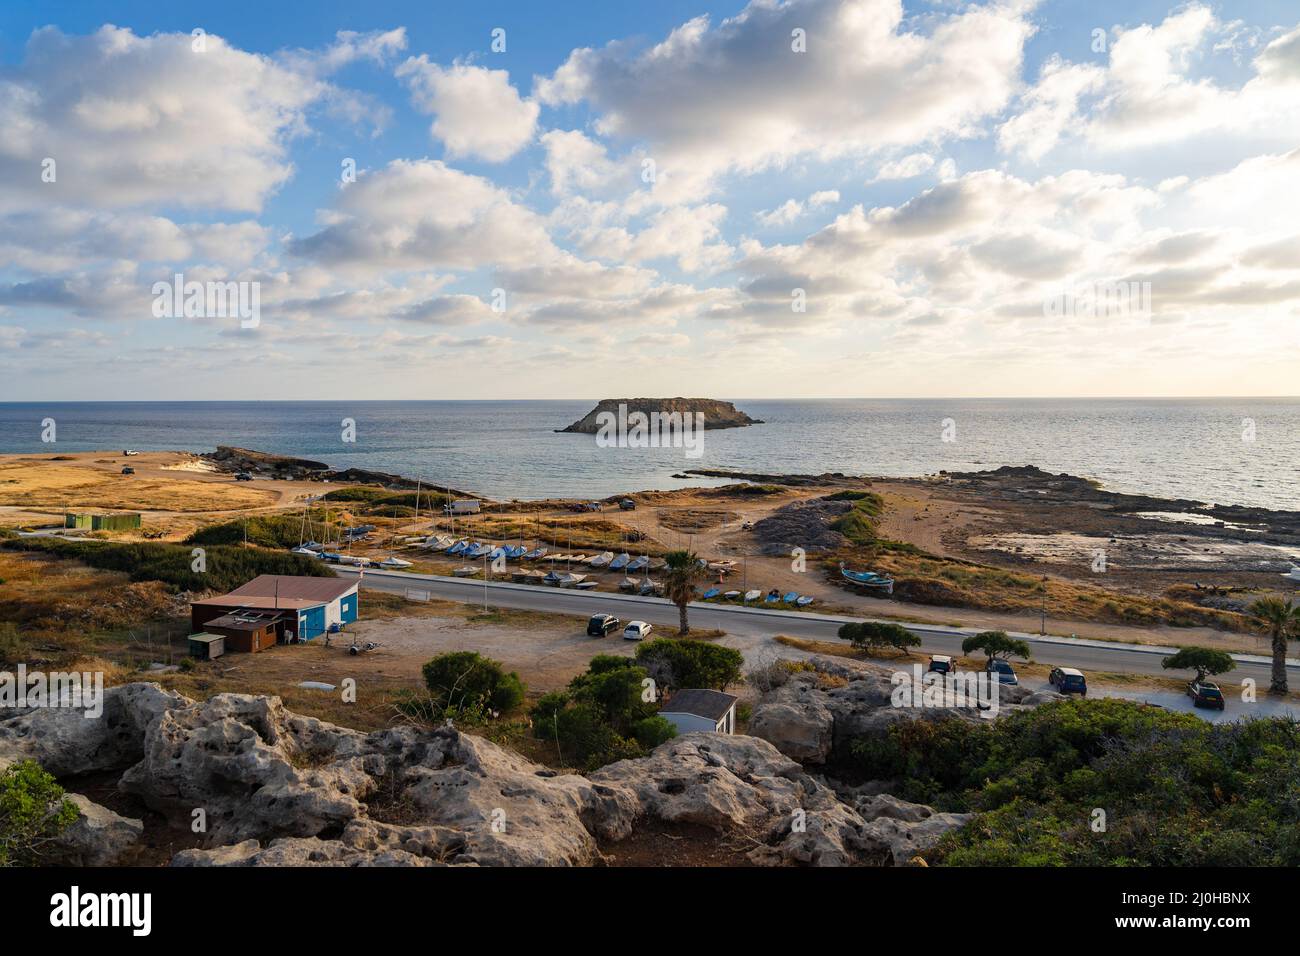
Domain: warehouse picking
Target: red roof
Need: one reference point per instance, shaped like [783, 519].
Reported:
[283, 590]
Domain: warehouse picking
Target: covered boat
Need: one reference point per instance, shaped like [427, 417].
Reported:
[602, 559]
[619, 563]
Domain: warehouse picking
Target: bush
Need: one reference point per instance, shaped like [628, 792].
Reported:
[650, 732]
[33, 810]
[13, 649]
[679, 662]
[467, 683]
[1177, 791]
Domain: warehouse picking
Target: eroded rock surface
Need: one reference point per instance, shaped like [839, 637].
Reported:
[279, 788]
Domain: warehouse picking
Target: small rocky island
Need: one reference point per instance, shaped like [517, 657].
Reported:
[716, 414]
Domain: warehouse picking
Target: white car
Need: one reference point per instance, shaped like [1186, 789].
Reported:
[636, 631]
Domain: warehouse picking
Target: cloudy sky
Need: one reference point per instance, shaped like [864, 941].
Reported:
[524, 200]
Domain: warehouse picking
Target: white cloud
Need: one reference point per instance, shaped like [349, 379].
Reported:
[476, 111]
[735, 96]
[906, 167]
[133, 120]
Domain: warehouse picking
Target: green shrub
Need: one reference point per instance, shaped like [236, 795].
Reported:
[680, 662]
[650, 732]
[33, 810]
[465, 682]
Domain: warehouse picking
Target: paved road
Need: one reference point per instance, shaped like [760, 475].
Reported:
[754, 626]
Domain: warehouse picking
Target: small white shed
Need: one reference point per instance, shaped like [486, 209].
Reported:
[692, 709]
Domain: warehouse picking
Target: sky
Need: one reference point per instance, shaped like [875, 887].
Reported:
[810, 198]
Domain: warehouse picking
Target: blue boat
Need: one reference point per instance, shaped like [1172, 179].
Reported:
[516, 551]
[477, 550]
[791, 597]
[711, 593]
[773, 597]
[868, 579]
[458, 547]
[619, 563]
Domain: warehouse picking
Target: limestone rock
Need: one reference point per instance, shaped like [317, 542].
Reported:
[98, 837]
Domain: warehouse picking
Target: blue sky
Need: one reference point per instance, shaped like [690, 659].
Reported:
[927, 199]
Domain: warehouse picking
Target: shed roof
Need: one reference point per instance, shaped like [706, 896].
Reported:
[296, 586]
[239, 600]
[709, 704]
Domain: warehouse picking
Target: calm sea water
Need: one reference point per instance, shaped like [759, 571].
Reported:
[1190, 448]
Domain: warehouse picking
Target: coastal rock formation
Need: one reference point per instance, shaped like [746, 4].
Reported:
[803, 524]
[278, 788]
[816, 712]
[230, 459]
[98, 837]
[716, 414]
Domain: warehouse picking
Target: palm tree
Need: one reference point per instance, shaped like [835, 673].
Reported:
[1280, 620]
[683, 570]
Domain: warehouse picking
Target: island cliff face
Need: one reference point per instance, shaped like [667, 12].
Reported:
[716, 414]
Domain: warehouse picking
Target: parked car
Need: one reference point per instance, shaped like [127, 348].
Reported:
[627, 504]
[602, 625]
[941, 664]
[243, 476]
[128, 470]
[636, 631]
[1005, 672]
[1068, 681]
[1205, 693]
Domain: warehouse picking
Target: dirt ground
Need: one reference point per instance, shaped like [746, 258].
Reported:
[178, 492]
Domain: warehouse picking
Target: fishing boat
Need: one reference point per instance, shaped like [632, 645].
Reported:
[628, 584]
[466, 571]
[752, 595]
[710, 593]
[731, 595]
[619, 563]
[394, 563]
[307, 551]
[569, 580]
[458, 548]
[602, 559]
[804, 601]
[534, 554]
[868, 579]
[636, 564]
[552, 578]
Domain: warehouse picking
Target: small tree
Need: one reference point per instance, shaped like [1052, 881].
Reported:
[1280, 620]
[33, 811]
[996, 644]
[683, 570]
[873, 635]
[464, 682]
[1204, 660]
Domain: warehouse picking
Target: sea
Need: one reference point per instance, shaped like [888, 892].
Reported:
[1242, 451]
